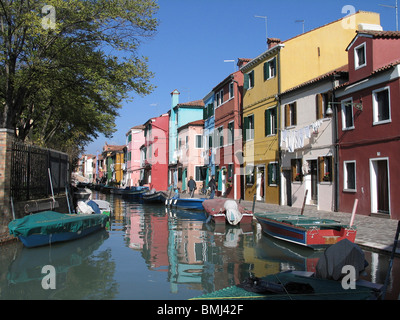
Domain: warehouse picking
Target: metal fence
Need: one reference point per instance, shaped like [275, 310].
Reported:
[30, 172]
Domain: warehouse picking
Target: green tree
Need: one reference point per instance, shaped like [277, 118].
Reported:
[67, 67]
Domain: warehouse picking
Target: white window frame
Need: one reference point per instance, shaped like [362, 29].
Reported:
[231, 137]
[251, 79]
[357, 64]
[196, 140]
[375, 120]
[345, 175]
[231, 90]
[343, 103]
[269, 62]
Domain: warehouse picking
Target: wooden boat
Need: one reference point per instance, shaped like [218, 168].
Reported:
[155, 197]
[186, 203]
[306, 231]
[135, 193]
[297, 285]
[215, 209]
[49, 227]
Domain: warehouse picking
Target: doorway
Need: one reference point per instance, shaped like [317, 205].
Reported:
[313, 165]
[380, 194]
[260, 183]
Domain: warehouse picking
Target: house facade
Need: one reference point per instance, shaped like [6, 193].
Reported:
[308, 143]
[209, 147]
[134, 140]
[369, 126]
[228, 134]
[180, 115]
[113, 156]
[190, 159]
[154, 172]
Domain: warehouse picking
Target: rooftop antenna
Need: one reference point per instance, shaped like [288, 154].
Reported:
[266, 30]
[234, 68]
[397, 13]
[302, 21]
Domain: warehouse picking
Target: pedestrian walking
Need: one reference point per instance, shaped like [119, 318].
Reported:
[212, 185]
[192, 186]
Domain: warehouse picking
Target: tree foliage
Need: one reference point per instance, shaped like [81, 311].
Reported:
[62, 84]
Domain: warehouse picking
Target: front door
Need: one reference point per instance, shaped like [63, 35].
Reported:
[314, 181]
[382, 187]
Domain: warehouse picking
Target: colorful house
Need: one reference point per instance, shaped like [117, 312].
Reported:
[209, 148]
[369, 125]
[114, 160]
[180, 114]
[286, 65]
[308, 145]
[155, 170]
[228, 133]
[190, 149]
[134, 140]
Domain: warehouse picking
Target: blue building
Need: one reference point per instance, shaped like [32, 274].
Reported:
[180, 115]
[209, 124]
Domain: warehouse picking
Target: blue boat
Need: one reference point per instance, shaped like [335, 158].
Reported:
[135, 193]
[153, 196]
[48, 227]
[186, 203]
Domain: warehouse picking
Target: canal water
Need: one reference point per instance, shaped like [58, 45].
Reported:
[149, 252]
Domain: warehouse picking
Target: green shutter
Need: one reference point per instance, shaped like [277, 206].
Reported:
[252, 78]
[246, 81]
[245, 127]
[266, 71]
[269, 174]
[267, 119]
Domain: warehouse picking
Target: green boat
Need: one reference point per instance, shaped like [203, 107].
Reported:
[48, 227]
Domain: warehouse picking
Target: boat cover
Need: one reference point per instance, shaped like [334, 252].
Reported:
[233, 214]
[337, 256]
[50, 222]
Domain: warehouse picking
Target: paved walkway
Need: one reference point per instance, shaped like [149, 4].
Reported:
[372, 232]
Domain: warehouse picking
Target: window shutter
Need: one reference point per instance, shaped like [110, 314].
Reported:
[274, 65]
[294, 114]
[266, 71]
[287, 115]
[270, 173]
[267, 117]
[252, 79]
[245, 127]
[275, 121]
[246, 81]
[294, 169]
[321, 169]
[319, 106]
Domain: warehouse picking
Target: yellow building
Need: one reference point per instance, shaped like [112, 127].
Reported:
[283, 66]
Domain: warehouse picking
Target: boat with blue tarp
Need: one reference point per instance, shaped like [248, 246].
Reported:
[48, 227]
[186, 203]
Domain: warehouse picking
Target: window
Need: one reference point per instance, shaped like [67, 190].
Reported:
[248, 80]
[297, 174]
[270, 121]
[273, 174]
[291, 114]
[349, 179]
[270, 69]
[325, 168]
[248, 128]
[322, 103]
[230, 132]
[199, 141]
[200, 173]
[347, 115]
[381, 105]
[220, 134]
[250, 174]
[231, 91]
[360, 56]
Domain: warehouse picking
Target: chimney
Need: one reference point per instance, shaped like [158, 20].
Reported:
[174, 98]
[272, 42]
[242, 62]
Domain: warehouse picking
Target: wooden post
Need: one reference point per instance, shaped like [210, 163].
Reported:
[304, 202]
[254, 203]
[353, 213]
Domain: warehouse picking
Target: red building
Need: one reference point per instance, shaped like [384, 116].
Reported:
[228, 137]
[369, 125]
[155, 162]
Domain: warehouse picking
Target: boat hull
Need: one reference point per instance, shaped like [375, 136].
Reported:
[186, 203]
[38, 240]
[158, 197]
[215, 210]
[318, 237]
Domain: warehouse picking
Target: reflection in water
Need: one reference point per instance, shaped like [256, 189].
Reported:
[153, 253]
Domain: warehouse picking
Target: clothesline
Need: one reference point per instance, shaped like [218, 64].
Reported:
[294, 138]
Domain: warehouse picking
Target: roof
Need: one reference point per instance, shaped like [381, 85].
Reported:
[375, 35]
[343, 70]
[193, 123]
[111, 148]
[196, 103]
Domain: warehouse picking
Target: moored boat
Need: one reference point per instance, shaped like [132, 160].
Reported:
[227, 211]
[153, 196]
[186, 203]
[48, 227]
[311, 232]
[135, 193]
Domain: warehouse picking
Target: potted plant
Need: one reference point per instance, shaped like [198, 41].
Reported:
[228, 182]
[298, 177]
[327, 176]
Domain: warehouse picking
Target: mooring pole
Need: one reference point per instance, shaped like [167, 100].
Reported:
[254, 203]
[304, 202]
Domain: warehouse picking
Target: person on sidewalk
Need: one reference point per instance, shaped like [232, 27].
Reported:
[212, 185]
[192, 186]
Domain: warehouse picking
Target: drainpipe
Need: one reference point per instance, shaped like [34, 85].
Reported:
[237, 192]
[279, 125]
[336, 150]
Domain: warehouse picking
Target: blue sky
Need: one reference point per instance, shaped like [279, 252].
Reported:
[196, 36]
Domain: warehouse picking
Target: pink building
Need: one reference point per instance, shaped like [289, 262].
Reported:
[134, 140]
